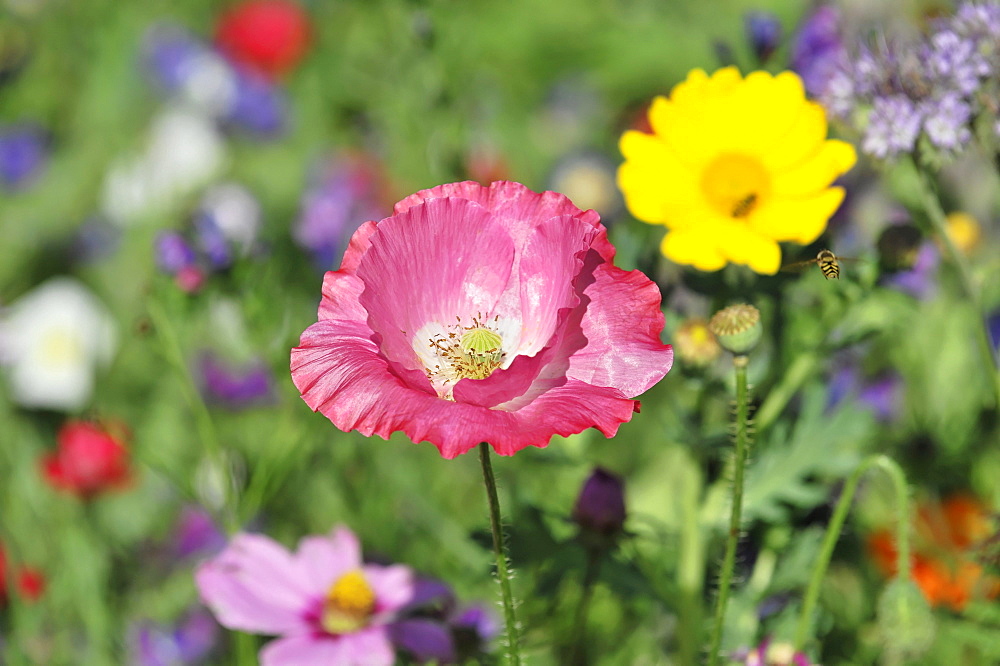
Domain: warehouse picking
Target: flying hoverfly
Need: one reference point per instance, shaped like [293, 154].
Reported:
[829, 264]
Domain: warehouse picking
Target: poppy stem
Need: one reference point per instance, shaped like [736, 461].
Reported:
[740, 362]
[503, 572]
[837, 524]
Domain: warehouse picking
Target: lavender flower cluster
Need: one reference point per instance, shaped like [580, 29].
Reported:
[905, 96]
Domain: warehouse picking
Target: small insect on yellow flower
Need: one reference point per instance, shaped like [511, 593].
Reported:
[733, 167]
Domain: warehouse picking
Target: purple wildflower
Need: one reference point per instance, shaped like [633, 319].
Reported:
[234, 387]
[918, 281]
[345, 194]
[190, 641]
[933, 88]
[424, 639]
[258, 106]
[173, 252]
[196, 534]
[956, 61]
[817, 49]
[180, 64]
[23, 153]
[212, 242]
[433, 628]
[892, 128]
[978, 21]
[946, 122]
[763, 32]
[882, 394]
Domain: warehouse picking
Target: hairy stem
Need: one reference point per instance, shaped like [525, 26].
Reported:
[503, 573]
[735, 516]
[837, 524]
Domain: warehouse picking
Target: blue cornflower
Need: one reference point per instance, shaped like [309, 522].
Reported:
[23, 153]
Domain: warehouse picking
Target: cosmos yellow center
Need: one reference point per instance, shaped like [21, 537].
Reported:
[349, 604]
[735, 185]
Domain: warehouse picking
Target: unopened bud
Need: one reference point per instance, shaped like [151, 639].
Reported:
[763, 32]
[600, 508]
[905, 620]
[737, 328]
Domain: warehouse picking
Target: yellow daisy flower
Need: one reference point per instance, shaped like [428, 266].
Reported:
[733, 167]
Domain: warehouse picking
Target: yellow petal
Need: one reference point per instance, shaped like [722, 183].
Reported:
[694, 247]
[832, 160]
[741, 245]
[798, 220]
[802, 140]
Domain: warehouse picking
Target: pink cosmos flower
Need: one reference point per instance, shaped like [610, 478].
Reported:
[326, 605]
[482, 314]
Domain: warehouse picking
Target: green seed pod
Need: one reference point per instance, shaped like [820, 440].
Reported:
[905, 620]
[737, 328]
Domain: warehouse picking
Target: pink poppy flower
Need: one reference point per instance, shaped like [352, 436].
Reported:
[482, 314]
[326, 605]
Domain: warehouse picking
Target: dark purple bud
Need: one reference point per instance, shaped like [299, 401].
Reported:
[173, 252]
[23, 153]
[763, 33]
[817, 49]
[425, 640]
[600, 508]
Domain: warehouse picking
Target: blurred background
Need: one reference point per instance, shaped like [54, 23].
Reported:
[174, 181]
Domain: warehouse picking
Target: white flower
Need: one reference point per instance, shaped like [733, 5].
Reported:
[52, 340]
[236, 212]
[184, 151]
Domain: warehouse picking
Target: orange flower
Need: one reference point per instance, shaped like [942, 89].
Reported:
[943, 565]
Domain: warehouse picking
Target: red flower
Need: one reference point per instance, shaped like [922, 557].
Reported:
[89, 460]
[267, 36]
[30, 581]
[943, 563]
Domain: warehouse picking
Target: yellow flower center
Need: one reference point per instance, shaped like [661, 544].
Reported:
[60, 347]
[735, 185]
[466, 352]
[349, 604]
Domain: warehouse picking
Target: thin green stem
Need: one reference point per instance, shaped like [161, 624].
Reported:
[735, 516]
[791, 381]
[591, 570]
[939, 224]
[171, 345]
[499, 550]
[837, 524]
[690, 573]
